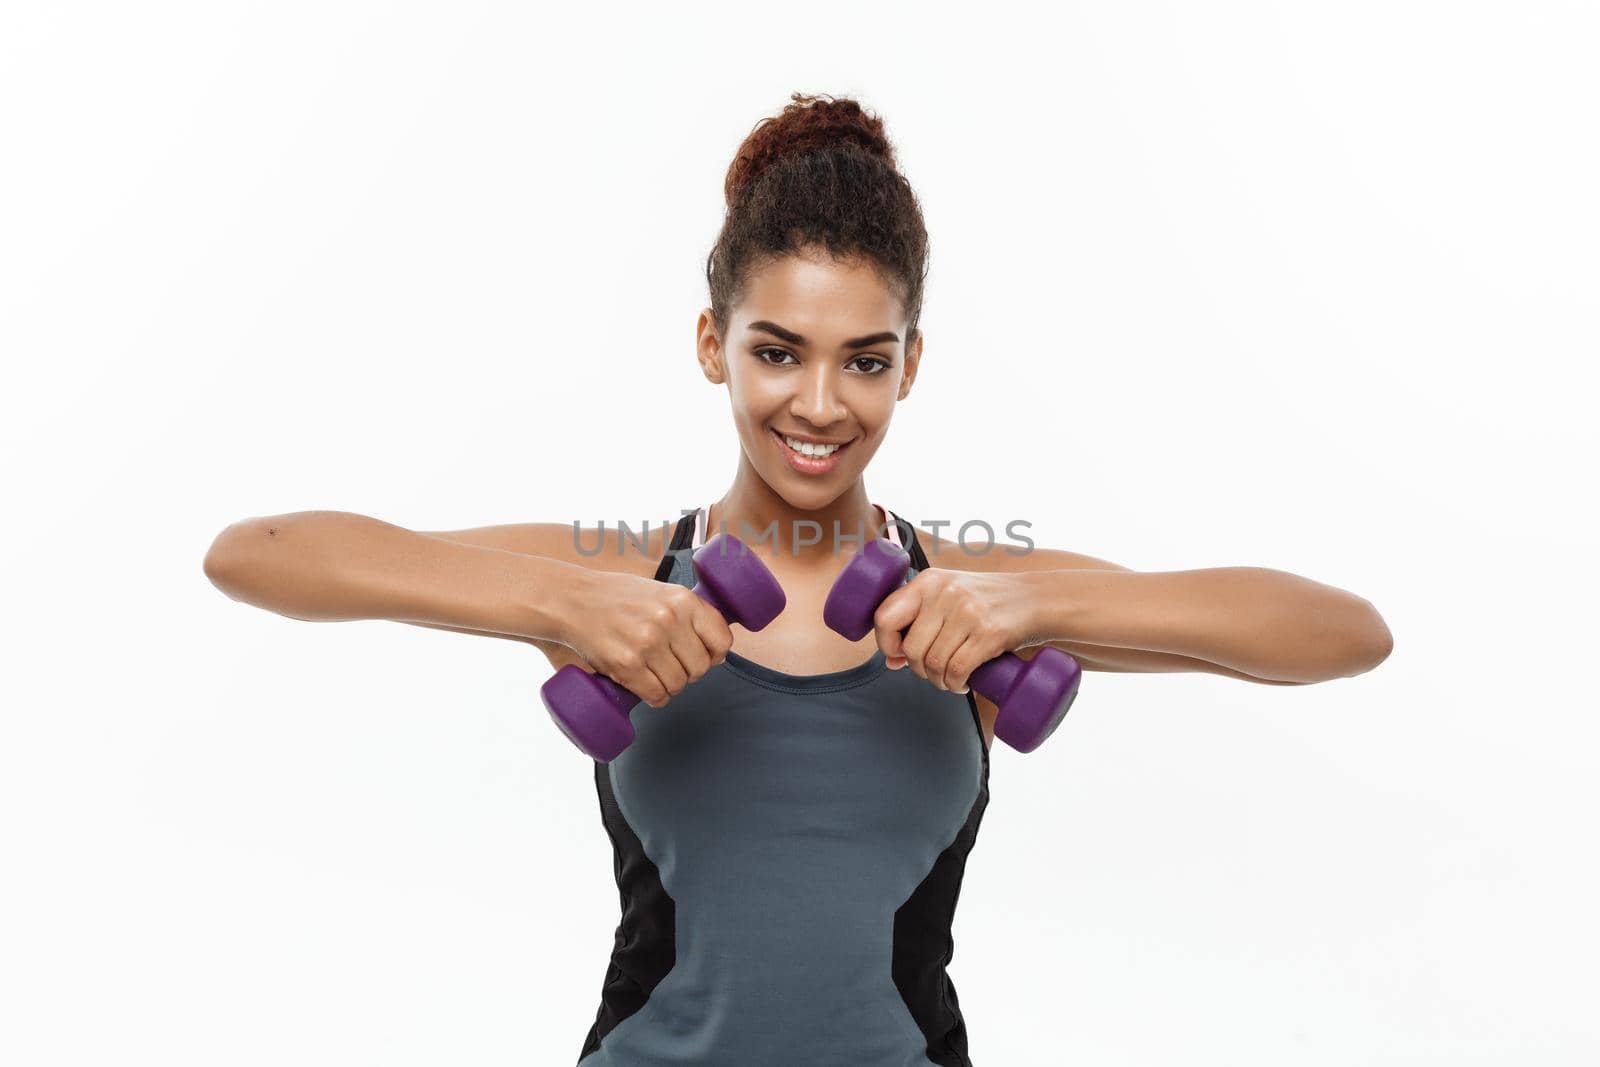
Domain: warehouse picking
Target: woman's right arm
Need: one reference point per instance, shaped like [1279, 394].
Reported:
[334, 566]
[652, 638]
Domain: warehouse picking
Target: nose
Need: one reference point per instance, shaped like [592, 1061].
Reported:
[817, 402]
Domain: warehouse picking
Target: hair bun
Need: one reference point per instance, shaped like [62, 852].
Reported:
[810, 123]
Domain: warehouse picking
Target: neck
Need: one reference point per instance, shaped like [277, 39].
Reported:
[774, 528]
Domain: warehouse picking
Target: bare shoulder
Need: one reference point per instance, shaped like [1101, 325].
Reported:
[596, 548]
[1003, 557]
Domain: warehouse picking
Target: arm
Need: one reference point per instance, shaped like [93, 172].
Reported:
[1156, 624]
[1266, 624]
[328, 566]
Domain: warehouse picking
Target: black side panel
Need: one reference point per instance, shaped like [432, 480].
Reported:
[645, 946]
[923, 945]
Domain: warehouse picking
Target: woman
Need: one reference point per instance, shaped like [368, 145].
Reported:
[790, 836]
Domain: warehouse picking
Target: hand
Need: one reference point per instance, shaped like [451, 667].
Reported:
[652, 638]
[959, 620]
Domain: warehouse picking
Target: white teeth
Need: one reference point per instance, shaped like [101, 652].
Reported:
[809, 449]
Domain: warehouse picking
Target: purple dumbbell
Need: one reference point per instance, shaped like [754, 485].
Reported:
[1033, 695]
[593, 711]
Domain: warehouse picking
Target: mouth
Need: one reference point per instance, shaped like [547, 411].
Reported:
[805, 464]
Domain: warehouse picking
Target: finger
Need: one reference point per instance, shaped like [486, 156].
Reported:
[924, 630]
[982, 645]
[659, 694]
[663, 663]
[958, 673]
[714, 632]
[893, 616]
[952, 635]
[635, 675]
[691, 651]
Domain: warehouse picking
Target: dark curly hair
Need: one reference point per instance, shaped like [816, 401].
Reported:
[819, 175]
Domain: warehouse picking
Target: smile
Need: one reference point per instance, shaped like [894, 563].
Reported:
[810, 459]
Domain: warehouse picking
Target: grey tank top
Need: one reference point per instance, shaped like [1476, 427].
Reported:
[789, 851]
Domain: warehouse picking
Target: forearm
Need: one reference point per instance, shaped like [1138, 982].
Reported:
[1265, 623]
[331, 566]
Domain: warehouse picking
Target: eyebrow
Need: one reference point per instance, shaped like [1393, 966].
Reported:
[795, 339]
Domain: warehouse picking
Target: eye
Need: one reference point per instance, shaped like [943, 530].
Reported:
[874, 364]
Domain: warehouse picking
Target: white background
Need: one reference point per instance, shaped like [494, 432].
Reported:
[1310, 287]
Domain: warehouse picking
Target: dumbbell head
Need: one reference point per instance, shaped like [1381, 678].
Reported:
[732, 579]
[876, 571]
[1033, 694]
[591, 710]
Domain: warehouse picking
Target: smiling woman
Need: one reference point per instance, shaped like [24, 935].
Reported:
[810, 913]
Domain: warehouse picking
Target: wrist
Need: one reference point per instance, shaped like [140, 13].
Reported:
[1056, 605]
[549, 594]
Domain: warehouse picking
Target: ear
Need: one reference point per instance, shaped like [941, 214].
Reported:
[913, 360]
[708, 348]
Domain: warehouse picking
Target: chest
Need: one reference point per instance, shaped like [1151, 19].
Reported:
[792, 799]
[797, 642]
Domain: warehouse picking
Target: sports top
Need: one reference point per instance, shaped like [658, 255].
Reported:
[789, 852]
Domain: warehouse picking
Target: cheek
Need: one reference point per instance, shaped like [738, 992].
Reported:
[875, 415]
[754, 403]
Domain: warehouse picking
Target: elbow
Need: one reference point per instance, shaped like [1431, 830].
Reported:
[218, 563]
[1354, 648]
[1374, 644]
[226, 560]
[214, 566]
[1380, 652]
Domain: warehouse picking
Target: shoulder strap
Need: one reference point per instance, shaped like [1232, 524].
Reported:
[908, 538]
[682, 537]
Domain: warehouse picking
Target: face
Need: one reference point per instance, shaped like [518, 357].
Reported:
[816, 348]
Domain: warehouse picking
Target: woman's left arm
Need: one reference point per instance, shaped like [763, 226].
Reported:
[1265, 623]
[1251, 623]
